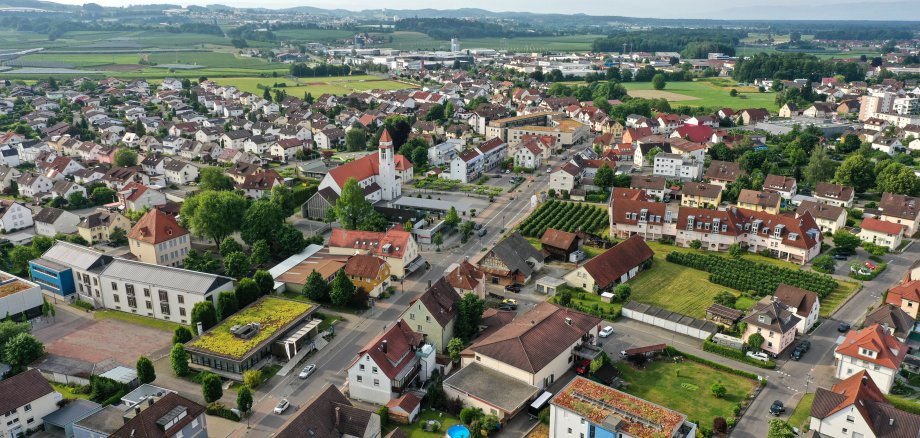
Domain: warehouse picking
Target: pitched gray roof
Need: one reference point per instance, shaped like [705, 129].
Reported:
[81, 257]
[165, 276]
[514, 251]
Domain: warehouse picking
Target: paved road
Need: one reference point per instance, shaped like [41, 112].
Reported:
[792, 379]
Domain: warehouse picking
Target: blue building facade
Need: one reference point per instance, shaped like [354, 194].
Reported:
[53, 277]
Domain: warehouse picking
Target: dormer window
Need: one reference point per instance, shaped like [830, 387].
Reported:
[866, 352]
[778, 231]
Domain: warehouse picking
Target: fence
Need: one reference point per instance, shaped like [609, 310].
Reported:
[669, 320]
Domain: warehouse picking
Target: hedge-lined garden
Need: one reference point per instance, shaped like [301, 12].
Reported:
[564, 216]
[745, 275]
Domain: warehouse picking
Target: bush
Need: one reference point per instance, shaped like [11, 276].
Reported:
[719, 425]
[824, 264]
[253, 378]
[219, 410]
[718, 390]
[83, 305]
[743, 274]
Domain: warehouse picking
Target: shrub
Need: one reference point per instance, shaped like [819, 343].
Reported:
[738, 355]
[718, 390]
[719, 425]
[219, 410]
[468, 415]
[253, 378]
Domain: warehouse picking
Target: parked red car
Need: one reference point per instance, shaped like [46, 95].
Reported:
[870, 265]
[583, 367]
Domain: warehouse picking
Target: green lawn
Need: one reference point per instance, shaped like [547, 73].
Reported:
[708, 93]
[838, 296]
[414, 430]
[685, 387]
[802, 410]
[68, 391]
[158, 324]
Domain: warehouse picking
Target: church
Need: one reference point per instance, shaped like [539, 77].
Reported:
[380, 175]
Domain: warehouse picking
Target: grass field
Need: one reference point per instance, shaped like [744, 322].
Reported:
[158, 324]
[685, 387]
[827, 54]
[706, 93]
[414, 430]
[802, 410]
[204, 58]
[316, 86]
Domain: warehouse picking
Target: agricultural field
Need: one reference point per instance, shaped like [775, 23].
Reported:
[565, 216]
[706, 93]
[420, 41]
[316, 86]
[685, 387]
[827, 54]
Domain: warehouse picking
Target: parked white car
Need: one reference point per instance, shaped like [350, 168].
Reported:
[761, 356]
[307, 370]
[606, 331]
[282, 406]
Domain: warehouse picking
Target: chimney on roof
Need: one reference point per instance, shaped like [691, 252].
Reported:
[865, 379]
[568, 321]
[383, 346]
[891, 421]
[338, 415]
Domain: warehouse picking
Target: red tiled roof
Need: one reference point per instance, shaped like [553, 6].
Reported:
[610, 266]
[400, 343]
[881, 226]
[889, 351]
[365, 167]
[372, 241]
[363, 266]
[156, 227]
[909, 291]
[465, 276]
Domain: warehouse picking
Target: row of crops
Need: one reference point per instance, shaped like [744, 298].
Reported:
[564, 216]
[746, 275]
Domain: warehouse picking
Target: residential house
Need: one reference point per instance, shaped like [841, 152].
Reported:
[259, 185]
[35, 186]
[329, 138]
[803, 303]
[702, 195]
[529, 156]
[902, 210]
[558, 244]
[51, 221]
[138, 197]
[8, 175]
[834, 194]
[677, 166]
[64, 188]
[829, 217]
[443, 153]
[389, 365]
[466, 278]
[881, 233]
[99, 225]
[612, 267]
[857, 407]
[158, 239]
[785, 186]
[874, 350]
[722, 173]
[512, 260]
[14, 216]
[520, 349]
[330, 414]
[27, 399]
[774, 322]
[369, 273]
[655, 186]
[585, 408]
[759, 201]
[179, 172]
[396, 246]
[434, 313]
[893, 318]
[565, 178]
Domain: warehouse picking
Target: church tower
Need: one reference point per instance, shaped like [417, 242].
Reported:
[386, 172]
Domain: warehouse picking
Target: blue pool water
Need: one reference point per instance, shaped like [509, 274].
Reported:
[458, 431]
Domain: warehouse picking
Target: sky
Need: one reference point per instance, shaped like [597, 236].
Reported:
[730, 9]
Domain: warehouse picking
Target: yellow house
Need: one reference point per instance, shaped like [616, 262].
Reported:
[701, 195]
[434, 314]
[759, 201]
[159, 239]
[369, 273]
[98, 226]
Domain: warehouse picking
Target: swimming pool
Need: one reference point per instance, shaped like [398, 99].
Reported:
[458, 431]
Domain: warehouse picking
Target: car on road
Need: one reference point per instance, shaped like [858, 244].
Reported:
[511, 301]
[477, 226]
[282, 406]
[514, 287]
[761, 356]
[777, 408]
[306, 371]
[549, 170]
[800, 350]
[606, 331]
[840, 256]
[507, 171]
[507, 307]
[843, 327]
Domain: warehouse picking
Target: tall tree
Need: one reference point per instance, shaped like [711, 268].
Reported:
[261, 221]
[261, 253]
[469, 315]
[229, 246]
[236, 265]
[316, 288]
[214, 215]
[604, 177]
[820, 167]
[247, 292]
[342, 290]
[856, 171]
[264, 281]
[214, 178]
[352, 209]
[897, 178]
[125, 158]
[21, 350]
[244, 400]
[181, 335]
[452, 219]
[211, 388]
[205, 313]
[227, 304]
[356, 139]
[659, 81]
[145, 371]
[289, 241]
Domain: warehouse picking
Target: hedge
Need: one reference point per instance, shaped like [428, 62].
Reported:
[903, 404]
[219, 410]
[746, 275]
[738, 355]
[715, 365]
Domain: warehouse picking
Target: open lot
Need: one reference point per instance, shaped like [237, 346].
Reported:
[109, 339]
[685, 387]
[712, 92]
